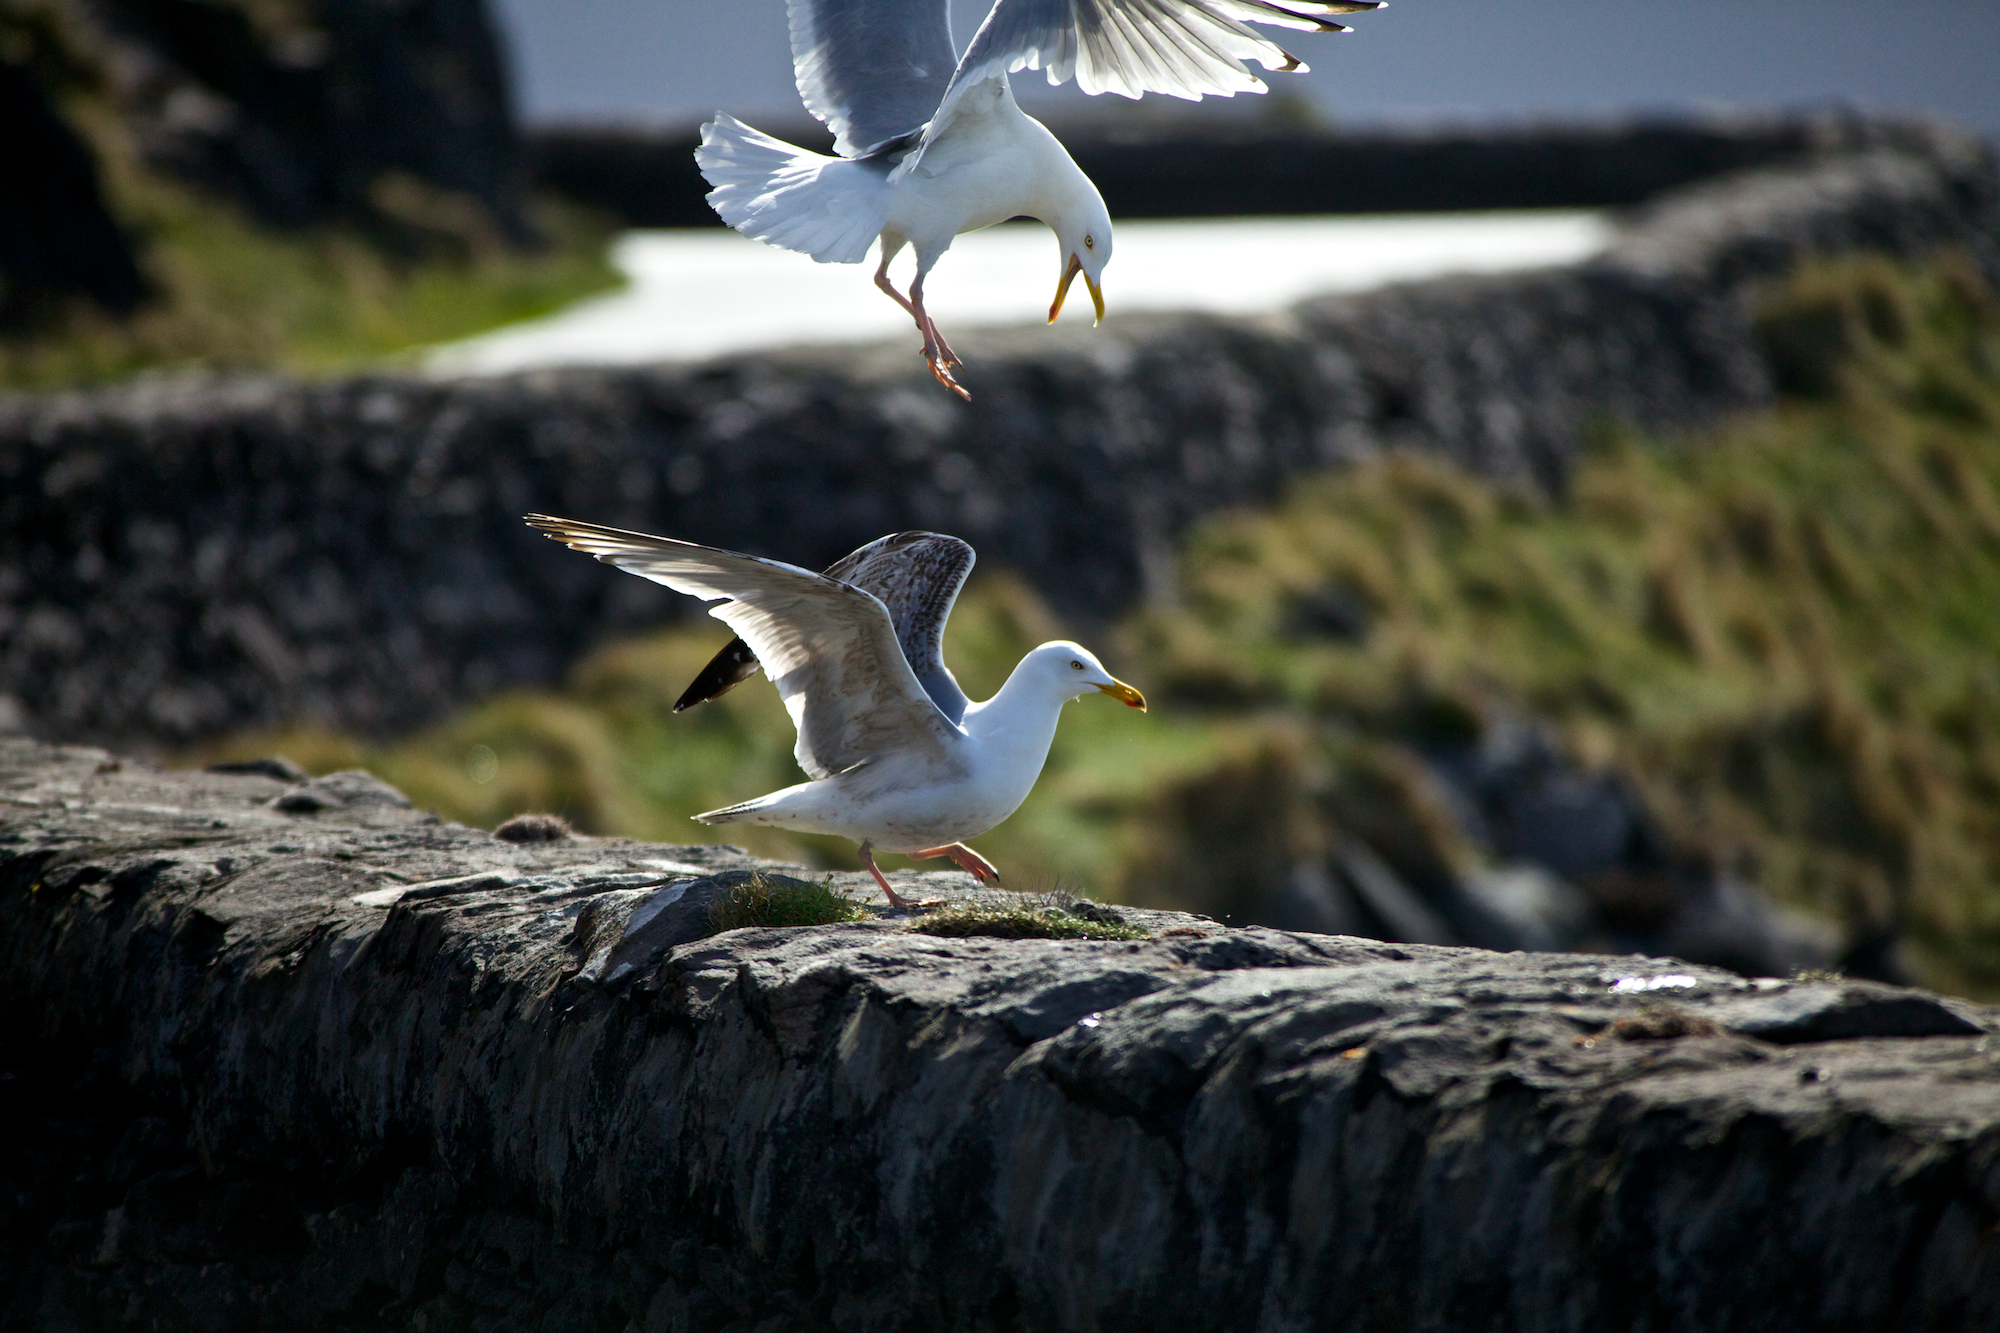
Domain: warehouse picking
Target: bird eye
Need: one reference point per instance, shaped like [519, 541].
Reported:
[1089, 243]
[1076, 666]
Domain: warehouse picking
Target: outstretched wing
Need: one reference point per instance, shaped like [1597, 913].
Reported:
[871, 69]
[828, 646]
[1184, 48]
[917, 576]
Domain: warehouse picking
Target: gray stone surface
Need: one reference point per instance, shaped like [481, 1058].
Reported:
[182, 557]
[277, 1063]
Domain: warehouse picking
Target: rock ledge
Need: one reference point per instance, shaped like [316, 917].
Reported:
[296, 1055]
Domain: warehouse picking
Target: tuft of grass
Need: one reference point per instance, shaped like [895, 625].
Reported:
[1664, 1022]
[776, 900]
[1040, 919]
[1656, 1022]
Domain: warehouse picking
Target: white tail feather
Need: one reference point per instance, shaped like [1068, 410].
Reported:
[828, 207]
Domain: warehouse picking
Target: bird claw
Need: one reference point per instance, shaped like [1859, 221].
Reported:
[968, 860]
[942, 369]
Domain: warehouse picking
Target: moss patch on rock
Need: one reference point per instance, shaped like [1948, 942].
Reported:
[1032, 919]
[777, 900]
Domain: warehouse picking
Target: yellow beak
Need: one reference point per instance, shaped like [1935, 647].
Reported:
[1125, 694]
[1062, 291]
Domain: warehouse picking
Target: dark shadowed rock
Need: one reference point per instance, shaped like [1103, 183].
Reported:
[273, 766]
[57, 238]
[355, 1068]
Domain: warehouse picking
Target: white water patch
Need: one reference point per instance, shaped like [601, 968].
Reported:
[701, 293]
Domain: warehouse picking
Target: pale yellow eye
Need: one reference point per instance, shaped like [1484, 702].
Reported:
[1090, 242]
[1076, 666]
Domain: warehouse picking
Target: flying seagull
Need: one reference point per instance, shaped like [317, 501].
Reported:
[888, 768]
[931, 144]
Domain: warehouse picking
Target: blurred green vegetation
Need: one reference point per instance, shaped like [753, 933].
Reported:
[1782, 631]
[232, 294]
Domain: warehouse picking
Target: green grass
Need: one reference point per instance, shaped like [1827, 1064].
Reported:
[1782, 631]
[234, 295]
[775, 900]
[1030, 920]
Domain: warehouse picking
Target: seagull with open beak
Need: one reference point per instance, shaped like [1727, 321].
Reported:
[1087, 254]
[930, 143]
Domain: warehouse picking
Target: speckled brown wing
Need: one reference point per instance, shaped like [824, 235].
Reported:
[917, 575]
[829, 647]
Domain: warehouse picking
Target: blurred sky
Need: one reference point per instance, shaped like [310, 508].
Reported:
[1418, 60]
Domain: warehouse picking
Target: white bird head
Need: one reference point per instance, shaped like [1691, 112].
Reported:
[1083, 230]
[1070, 672]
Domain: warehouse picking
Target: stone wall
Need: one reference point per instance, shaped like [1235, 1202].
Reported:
[293, 1055]
[1208, 163]
[181, 557]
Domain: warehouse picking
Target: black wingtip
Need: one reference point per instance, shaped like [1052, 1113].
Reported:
[724, 672]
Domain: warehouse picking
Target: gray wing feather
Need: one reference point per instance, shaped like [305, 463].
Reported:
[1185, 48]
[828, 646]
[917, 576]
[871, 69]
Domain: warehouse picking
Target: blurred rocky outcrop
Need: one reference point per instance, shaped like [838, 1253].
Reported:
[298, 1056]
[181, 557]
[393, 118]
[1501, 841]
[329, 110]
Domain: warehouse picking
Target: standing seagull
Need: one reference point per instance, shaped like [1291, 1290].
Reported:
[931, 144]
[889, 769]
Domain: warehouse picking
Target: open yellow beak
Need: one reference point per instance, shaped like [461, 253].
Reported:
[1062, 291]
[1125, 694]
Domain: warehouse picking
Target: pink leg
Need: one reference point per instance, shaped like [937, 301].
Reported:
[882, 281]
[973, 863]
[925, 325]
[936, 350]
[930, 325]
[895, 899]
